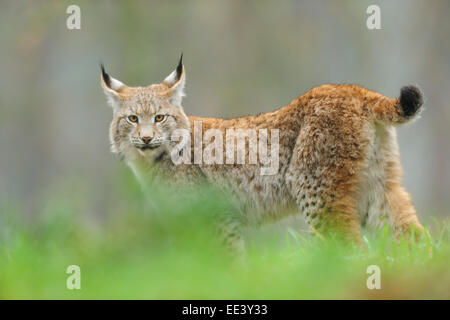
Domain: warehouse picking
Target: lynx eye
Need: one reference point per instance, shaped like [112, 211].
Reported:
[133, 118]
[159, 118]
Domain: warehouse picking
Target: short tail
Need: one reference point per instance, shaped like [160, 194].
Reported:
[399, 110]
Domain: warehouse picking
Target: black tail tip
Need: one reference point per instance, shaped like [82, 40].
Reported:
[411, 100]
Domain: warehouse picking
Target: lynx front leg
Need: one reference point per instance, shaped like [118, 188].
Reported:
[230, 235]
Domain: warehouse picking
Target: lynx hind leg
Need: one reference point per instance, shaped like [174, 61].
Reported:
[323, 176]
[330, 214]
[389, 203]
[401, 212]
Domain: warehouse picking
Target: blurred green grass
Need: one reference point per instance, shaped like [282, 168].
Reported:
[166, 249]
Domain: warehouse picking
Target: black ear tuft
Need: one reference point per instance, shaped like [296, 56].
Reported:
[105, 76]
[180, 67]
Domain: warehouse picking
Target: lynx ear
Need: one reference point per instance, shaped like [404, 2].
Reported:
[112, 88]
[175, 81]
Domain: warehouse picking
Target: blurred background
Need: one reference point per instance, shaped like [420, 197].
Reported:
[241, 58]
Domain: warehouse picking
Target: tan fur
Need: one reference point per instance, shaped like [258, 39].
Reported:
[338, 158]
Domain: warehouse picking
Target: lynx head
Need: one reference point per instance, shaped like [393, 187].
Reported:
[145, 117]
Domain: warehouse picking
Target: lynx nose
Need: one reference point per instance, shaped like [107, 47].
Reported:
[146, 140]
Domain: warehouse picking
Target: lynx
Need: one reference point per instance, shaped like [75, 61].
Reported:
[339, 163]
